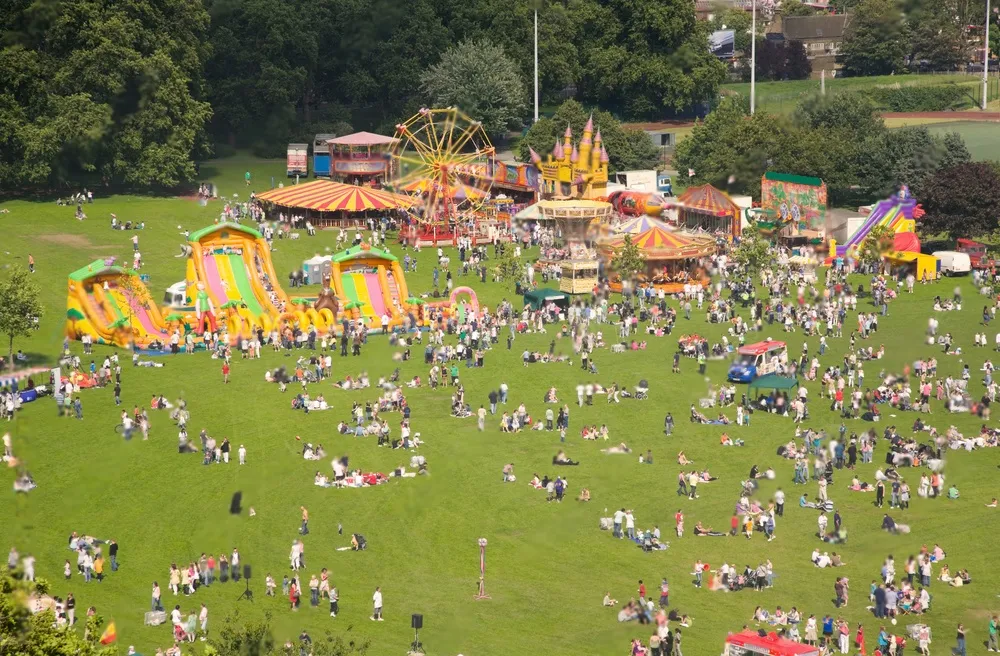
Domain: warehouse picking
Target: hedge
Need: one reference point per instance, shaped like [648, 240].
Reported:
[937, 98]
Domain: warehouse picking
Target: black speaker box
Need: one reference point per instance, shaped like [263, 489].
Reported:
[417, 621]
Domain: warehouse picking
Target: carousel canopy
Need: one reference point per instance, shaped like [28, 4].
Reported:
[639, 225]
[706, 199]
[329, 196]
[660, 243]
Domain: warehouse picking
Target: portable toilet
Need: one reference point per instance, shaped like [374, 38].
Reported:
[315, 268]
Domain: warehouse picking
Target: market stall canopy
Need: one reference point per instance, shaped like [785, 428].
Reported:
[329, 196]
[537, 298]
[361, 139]
[662, 243]
[707, 200]
[772, 382]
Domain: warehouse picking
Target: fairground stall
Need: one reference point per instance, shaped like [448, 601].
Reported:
[325, 203]
[673, 259]
[362, 158]
[746, 643]
[707, 209]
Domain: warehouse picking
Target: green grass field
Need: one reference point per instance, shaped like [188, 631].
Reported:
[781, 97]
[982, 139]
[548, 565]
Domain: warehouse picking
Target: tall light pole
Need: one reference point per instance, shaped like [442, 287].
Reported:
[536, 63]
[753, 57]
[986, 56]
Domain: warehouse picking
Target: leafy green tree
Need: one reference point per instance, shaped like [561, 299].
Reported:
[853, 112]
[645, 59]
[479, 78]
[876, 40]
[95, 86]
[733, 150]
[21, 632]
[628, 148]
[509, 268]
[961, 201]
[878, 241]
[753, 254]
[20, 308]
[937, 39]
[240, 636]
[843, 6]
[790, 8]
[627, 260]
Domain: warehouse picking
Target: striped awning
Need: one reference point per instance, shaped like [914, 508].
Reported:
[329, 196]
[661, 243]
[707, 200]
[639, 225]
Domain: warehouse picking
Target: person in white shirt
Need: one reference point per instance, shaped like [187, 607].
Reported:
[243, 455]
[175, 616]
[618, 518]
[630, 525]
[203, 620]
[377, 605]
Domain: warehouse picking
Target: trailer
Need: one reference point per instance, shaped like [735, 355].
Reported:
[297, 163]
[321, 155]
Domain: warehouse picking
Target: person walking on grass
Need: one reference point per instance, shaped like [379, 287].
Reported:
[377, 606]
[225, 372]
[304, 529]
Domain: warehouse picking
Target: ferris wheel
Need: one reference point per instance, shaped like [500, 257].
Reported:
[445, 162]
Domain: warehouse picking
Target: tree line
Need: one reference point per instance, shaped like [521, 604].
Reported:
[133, 93]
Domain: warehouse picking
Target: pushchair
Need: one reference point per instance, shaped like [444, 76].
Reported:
[642, 390]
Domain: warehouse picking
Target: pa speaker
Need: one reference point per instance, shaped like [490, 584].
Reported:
[246, 572]
[417, 621]
[235, 506]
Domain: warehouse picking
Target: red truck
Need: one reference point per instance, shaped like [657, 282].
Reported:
[978, 257]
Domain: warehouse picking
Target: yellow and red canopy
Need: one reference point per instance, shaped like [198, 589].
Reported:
[660, 243]
[329, 196]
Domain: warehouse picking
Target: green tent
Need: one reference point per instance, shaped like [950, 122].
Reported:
[772, 382]
[536, 298]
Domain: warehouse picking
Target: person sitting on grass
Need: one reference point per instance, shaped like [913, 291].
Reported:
[683, 460]
[584, 495]
[621, 448]
[608, 601]
[562, 459]
[702, 531]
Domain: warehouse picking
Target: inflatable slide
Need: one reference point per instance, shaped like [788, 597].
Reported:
[371, 283]
[113, 306]
[898, 213]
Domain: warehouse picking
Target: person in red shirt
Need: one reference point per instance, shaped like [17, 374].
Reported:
[679, 521]
[734, 525]
[642, 591]
[225, 372]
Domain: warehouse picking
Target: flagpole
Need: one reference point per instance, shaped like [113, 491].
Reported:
[536, 64]
[986, 58]
[753, 57]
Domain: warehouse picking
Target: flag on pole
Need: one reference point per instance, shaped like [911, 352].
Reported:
[110, 634]
[690, 173]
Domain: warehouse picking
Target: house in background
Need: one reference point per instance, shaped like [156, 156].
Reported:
[822, 37]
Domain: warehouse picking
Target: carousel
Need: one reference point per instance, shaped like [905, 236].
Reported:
[574, 177]
[674, 259]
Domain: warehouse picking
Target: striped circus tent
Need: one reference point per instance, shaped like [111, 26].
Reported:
[662, 243]
[639, 224]
[329, 196]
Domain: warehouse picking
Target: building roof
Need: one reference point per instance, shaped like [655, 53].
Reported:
[361, 139]
[797, 28]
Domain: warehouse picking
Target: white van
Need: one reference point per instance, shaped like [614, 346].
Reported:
[954, 263]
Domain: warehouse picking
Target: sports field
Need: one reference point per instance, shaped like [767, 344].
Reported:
[548, 564]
